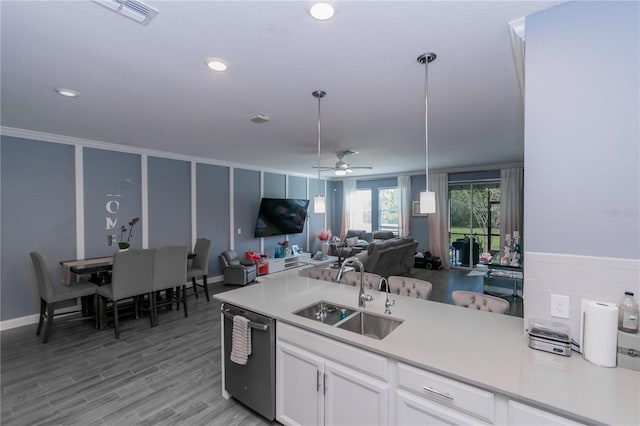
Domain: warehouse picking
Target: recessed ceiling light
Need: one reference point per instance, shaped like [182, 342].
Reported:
[67, 92]
[322, 11]
[216, 64]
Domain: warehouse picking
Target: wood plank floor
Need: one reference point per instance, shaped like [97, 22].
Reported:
[169, 374]
[166, 375]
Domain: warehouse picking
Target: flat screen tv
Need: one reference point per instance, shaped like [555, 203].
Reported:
[280, 216]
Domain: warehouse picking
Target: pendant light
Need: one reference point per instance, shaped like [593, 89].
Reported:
[427, 198]
[319, 205]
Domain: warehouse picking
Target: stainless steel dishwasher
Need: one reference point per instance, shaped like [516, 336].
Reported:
[253, 384]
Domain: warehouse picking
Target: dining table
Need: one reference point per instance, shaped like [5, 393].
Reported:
[99, 269]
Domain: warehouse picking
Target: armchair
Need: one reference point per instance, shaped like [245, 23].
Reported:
[236, 271]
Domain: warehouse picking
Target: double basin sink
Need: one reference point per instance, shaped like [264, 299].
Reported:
[360, 322]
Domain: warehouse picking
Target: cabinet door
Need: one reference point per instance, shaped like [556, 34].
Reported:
[353, 398]
[414, 410]
[299, 386]
[520, 414]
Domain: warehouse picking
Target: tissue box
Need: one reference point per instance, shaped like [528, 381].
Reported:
[629, 350]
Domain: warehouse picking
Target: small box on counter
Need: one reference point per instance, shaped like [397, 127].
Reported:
[629, 350]
[549, 336]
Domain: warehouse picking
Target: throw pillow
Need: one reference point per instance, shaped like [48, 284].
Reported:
[351, 241]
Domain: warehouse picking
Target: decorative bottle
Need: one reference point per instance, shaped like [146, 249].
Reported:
[628, 313]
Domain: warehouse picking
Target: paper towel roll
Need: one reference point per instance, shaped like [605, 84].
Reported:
[601, 333]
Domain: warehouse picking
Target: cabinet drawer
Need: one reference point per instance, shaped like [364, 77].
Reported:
[446, 391]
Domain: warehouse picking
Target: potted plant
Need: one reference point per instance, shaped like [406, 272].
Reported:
[124, 245]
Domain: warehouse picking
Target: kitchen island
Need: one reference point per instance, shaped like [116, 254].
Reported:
[478, 352]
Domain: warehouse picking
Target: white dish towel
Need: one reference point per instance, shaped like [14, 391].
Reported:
[240, 340]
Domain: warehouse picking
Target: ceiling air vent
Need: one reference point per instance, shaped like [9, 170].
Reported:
[259, 118]
[133, 9]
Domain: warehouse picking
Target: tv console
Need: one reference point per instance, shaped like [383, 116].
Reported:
[278, 264]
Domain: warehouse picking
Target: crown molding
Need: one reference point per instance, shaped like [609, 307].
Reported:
[69, 140]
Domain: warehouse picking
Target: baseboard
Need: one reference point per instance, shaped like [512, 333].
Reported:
[19, 322]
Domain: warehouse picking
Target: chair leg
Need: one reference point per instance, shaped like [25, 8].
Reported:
[96, 311]
[115, 319]
[178, 295]
[195, 286]
[206, 288]
[153, 309]
[43, 311]
[184, 299]
[47, 330]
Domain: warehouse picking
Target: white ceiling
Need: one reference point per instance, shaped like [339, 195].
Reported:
[148, 86]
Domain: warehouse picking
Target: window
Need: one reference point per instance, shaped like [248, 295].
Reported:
[474, 211]
[388, 209]
[360, 214]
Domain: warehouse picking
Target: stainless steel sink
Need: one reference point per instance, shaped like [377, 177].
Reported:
[325, 312]
[370, 325]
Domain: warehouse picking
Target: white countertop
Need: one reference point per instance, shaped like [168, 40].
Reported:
[480, 348]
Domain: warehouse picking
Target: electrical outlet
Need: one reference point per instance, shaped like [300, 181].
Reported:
[560, 306]
[239, 230]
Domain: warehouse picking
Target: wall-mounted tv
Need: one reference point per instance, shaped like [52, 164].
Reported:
[280, 216]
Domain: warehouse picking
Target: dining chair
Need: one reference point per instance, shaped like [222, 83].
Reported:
[482, 302]
[324, 274]
[371, 280]
[411, 287]
[132, 276]
[169, 274]
[51, 295]
[200, 266]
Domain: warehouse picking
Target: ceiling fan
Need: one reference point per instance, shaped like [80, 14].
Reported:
[342, 167]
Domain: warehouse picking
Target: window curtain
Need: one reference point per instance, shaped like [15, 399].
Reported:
[404, 205]
[511, 202]
[438, 222]
[348, 189]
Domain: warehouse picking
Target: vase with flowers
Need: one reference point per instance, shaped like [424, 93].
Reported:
[283, 250]
[124, 245]
[324, 237]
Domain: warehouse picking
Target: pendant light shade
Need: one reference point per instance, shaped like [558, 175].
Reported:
[319, 202]
[427, 198]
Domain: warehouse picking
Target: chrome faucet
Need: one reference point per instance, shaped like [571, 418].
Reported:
[387, 303]
[362, 296]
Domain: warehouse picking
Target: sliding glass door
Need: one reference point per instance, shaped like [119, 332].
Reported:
[474, 221]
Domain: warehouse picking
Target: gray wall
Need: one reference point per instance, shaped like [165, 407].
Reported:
[169, 202]
[297, 188]
[38, 211]
[582, 130]
[274, 186]
[246, 202]
[111, 181]
[38, 214]
[212, 210]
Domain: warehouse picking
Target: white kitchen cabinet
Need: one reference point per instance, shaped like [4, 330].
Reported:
[353, 398]
[336, 384]
[416, 410]
[525, 415]
[299, 386]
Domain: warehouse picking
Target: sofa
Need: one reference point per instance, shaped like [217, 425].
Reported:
[394, 256]
[357, 240]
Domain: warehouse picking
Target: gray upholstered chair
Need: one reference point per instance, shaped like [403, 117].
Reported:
[51, 295]
[482, 302]
[132, 276]
[169, 274]
[371, 281]
[411, 287]
[236, 271]
[199, 267]
[324, 274]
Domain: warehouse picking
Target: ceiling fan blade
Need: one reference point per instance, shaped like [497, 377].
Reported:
[360, 167]
[322, 168]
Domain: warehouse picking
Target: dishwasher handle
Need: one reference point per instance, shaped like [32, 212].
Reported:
[252, 324]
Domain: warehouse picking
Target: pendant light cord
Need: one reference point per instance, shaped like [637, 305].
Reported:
[426, 123]
[319, 94]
